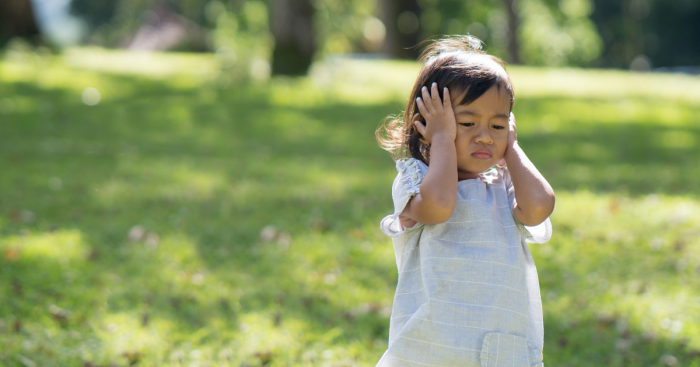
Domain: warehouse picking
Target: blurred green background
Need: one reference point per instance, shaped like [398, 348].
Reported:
[196, 183]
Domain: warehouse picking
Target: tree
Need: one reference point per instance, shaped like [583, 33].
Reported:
[292, 27]
[657, 33]
[17, 20]
[116, 22]
[513, 25]
[403, 29]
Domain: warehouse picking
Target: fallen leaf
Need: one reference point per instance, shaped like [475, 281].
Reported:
[93, 255]
[268, 233]
[11, 254]
[320, 225]
[59, 314]
[278, 319]
[136, 233]
[284, 239]
[614, 205]
[17, 288]
[152, 240]
[26, 361]
[563, 341]
[265, 357]
[132, 357]
[679, 245]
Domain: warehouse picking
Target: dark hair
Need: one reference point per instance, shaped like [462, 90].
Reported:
[455, 62]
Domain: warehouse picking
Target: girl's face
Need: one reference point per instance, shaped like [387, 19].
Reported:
[482, 132]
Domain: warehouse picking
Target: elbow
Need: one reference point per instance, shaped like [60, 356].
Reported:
[440, 213]
[438, 219]
[536, 215]
[533, 220]
[436, 207]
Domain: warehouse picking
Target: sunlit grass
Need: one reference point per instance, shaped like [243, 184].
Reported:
[183, 222]
[605, 84]
[61, 246]
[142, 63]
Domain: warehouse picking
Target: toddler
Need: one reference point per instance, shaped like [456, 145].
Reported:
[466, 202]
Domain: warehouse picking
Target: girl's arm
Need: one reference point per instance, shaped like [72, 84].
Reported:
[534, 198]
[438, 192]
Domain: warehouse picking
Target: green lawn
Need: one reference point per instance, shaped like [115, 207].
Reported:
[190, 220]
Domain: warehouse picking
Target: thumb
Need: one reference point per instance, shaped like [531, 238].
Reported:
[418, 124]
[420, 127]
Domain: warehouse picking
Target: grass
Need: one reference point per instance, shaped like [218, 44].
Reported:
[185, 220]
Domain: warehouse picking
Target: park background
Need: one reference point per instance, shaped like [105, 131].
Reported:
[197, 183]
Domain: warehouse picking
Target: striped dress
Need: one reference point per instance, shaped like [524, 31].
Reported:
[468, 293]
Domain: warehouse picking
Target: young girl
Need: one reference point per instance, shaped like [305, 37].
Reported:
[466, 203]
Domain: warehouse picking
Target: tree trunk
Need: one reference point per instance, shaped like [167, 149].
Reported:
[401, 40]
[513, 24]
[292, 26]
[17, 20]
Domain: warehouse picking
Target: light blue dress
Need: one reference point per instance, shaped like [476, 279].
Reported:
[468, 293]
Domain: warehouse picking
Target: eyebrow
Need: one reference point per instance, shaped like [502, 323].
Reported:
[470, 113]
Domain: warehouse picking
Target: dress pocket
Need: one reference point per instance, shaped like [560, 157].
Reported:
[508, 350]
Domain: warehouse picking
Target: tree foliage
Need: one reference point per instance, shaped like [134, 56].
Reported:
[113, 22]
[607, 33]
[558, 33]
[662, 33]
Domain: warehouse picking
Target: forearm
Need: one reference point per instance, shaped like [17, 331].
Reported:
[533, 195]
[438, 191]
[440, 183]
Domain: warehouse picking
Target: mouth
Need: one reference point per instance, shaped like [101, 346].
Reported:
[482, 154]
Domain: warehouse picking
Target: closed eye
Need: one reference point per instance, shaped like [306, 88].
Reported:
[467, 124]
[498, 127]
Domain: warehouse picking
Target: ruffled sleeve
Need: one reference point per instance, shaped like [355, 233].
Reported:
[540, 233]
[406, 185]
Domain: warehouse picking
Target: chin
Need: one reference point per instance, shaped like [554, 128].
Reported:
[486, 167]
[475, 170]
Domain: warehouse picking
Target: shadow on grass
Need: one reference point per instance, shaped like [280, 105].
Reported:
[207, 170]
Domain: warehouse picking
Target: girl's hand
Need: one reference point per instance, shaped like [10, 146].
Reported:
[512, 138]
[439, 115]
[512, 134]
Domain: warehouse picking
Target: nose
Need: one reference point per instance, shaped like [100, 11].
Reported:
[483, 137]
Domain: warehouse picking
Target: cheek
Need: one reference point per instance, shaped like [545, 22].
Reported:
[501, 134]
[501, 141]
[461, 134]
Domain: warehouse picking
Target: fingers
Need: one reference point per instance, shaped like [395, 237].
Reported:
[420, 127]
[431, 98]
[512, 131]
[416, 117]
[446, 100]
[427, 100]
[435, 95]
[421, 107]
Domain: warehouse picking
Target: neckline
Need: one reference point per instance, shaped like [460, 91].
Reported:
[481, 178]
